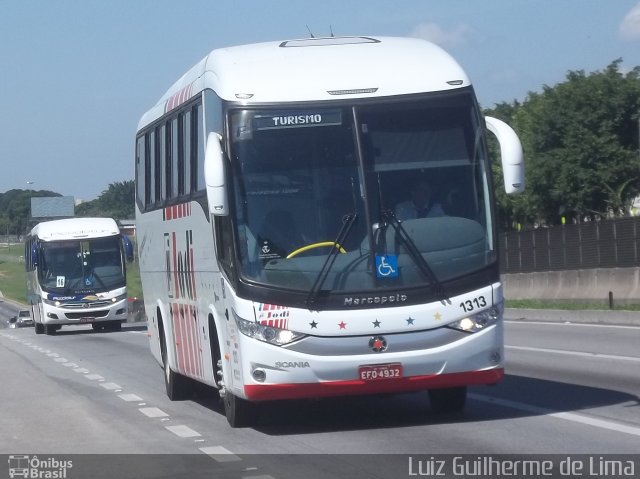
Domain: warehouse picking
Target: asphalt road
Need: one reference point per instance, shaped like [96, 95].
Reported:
[570, 389]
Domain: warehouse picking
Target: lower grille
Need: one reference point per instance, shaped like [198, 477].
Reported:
[88, 314]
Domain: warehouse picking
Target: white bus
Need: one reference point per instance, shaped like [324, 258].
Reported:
[76, 274]
[274, 264]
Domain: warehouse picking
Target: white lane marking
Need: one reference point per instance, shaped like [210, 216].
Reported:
[53, 355]
[183, 431]
[130, 397]
[261, 476]
[111, 386]
[220, 454]
[575, 353]
[567, 416]
[569, 323]
[93, 377]
[71, 365]
[81, 370]
[61, 360]
[152, 412]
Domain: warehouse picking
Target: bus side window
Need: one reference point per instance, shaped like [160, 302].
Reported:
[224, 244]
[140, 171]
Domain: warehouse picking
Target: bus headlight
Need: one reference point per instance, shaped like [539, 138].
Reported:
[268, 334]
[55, 303]
[479, 321]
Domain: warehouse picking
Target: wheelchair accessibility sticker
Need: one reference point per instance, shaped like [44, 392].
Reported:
[387, 266]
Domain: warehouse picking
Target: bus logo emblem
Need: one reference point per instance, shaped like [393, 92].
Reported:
[378, 344]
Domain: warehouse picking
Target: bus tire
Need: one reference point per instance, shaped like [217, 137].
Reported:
[239, 412]
[39, 328]
[448, 400]
[113, 326]
[178, 387]
[50, 329]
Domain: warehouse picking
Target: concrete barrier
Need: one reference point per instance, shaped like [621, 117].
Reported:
[582, 286]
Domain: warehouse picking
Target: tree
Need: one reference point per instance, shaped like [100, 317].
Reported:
[15, 209]
[580, 140]
[116, 202]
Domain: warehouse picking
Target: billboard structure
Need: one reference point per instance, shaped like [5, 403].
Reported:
[50, 207]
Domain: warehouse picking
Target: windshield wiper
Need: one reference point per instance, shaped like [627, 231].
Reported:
[347, 223]
[389, 217]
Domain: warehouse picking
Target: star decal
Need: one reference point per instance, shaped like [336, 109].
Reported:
[342, 325]
[376, 324]
[437, 316]
[410, 321]
[313, 325]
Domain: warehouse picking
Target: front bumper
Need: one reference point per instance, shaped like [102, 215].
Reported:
[461, 359]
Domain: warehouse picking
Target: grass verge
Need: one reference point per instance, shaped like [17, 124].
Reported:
[567, 306]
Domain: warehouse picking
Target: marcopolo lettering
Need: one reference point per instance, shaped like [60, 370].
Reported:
[373, 300]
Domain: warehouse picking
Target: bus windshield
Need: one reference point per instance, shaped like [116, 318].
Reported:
[372, 196]
[85, 266]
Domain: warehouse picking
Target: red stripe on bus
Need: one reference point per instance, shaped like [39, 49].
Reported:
[268, 392]
[177, 337]
[175, 266]
[187, 339]
[197, 351]
[193, 275]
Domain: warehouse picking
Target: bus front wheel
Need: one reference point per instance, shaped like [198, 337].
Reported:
[239, 412]
[448, 400]
[51, 329]
[39, 327]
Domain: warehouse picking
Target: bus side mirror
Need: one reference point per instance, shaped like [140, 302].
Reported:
[128, 248]
[214, 176]
[510, 153]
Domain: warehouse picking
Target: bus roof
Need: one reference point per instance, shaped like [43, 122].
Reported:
[316, 69]
[75, 228]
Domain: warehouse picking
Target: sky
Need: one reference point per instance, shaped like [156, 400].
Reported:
[77, 75]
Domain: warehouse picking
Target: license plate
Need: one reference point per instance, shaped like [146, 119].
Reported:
[378, 372]
[86, 320]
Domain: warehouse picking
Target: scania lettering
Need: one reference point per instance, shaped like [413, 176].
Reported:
[76, 274]
[272, 224]
[297, 364]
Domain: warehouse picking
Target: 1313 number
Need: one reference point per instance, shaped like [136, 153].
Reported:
[475, 303]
